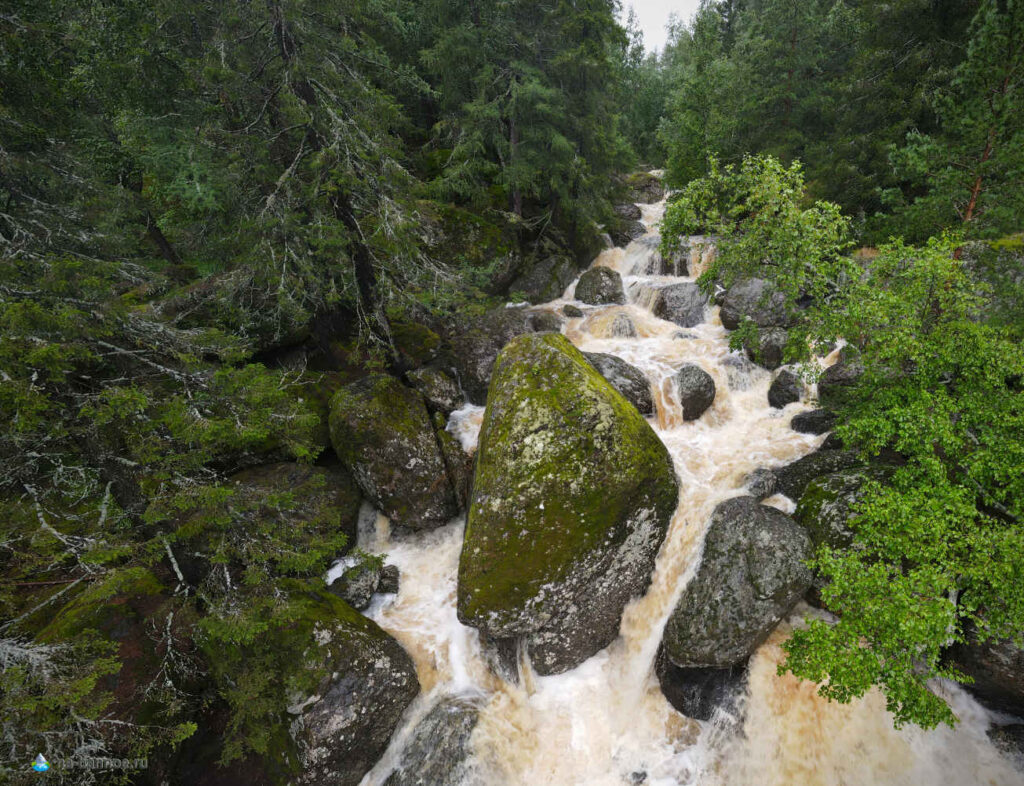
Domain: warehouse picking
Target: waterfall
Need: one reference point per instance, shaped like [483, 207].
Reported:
[606, 723]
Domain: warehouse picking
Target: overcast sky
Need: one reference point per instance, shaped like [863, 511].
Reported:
[654, 14]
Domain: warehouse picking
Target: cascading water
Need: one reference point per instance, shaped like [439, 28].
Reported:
[606, 723]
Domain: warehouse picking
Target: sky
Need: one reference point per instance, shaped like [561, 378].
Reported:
[653, 16]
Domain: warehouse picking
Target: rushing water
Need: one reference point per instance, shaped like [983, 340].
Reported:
[606, 723]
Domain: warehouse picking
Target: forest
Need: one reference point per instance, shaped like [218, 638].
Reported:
[253, 256]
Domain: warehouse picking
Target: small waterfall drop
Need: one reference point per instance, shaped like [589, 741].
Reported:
[606, 723]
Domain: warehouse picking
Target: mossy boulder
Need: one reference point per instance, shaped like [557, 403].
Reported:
[436, 755]
[644, 187]
[600, 286]
[827, 505]
[381, 431]
[750, 576]
[415, 344]
[630, 381]
[571, 500]
[346, 690]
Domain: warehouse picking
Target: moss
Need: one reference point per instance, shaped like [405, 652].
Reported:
[417, 343]
[556, 435]
[103, 605]
[826, 506]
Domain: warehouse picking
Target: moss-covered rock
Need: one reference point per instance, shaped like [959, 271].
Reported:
[439, 390]
[347, 683]
[546, 279]
[478, 343]
[751, 574]
[827, 504]
[795, 477]
[572, 497]
[381, 431]
[415, 344]
[644, 187]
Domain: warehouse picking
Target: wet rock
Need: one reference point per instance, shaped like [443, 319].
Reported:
[625, 232]
[628, 211]
[681, 303]
[545, 321]
[751, 574]
[681, 335]
[571, 500]
[739, 371]
[814, 421]
[546, 279]
[622, 327]
[793, 478]
[600, 286]
[477, 344]
[697, 693]
[630, 381]
[415, 344]
[389, 580]
[381, 431]
[1009, 740]
[356, 586]
[571, 311]
[345, 722]
[997, 667]
[826, 506]
[785, 389]
[836, 381]
[436, 755]
[757, 300]
[439, 391]
[696, 390]
[458, 463]
[771, 347]
[761, 483]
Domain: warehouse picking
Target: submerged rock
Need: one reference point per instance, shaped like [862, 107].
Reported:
[436, 755]
[681, 303]
[757, 300]
[345, 724]
[630, 381]
[697, 693]
[622, 327]
[571, 500]
[600, 286]
[439, 390]
[751, 574]
[785, 389]
[696, 390]
[381, 431]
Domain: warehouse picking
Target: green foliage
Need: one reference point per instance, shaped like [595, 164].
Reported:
[764, 230]
[939, 546]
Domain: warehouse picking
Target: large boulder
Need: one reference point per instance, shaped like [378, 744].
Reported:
[827, 504]
[345, 722]
[381, 431]
[997, 668]
[785, 389]
[600, 286]
[546, 279]
[757, 300]
[625, 231]
[630, 381]
[628, 211]
[698, 693]
[458, 462]
[751, 574]
[681, 303]
[436, 755]
[794, 477]
[572, 496]
[696, 390]
[644, 187]
[477, 344]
